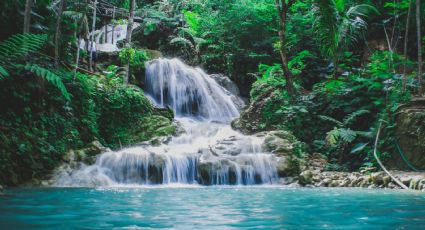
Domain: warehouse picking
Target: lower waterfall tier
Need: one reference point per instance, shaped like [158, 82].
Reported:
[207, 153]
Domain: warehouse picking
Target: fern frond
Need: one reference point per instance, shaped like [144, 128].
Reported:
[351, 118]
[20, 45]
[3, 73]
[49, 76]
[330, 119]
[347, 135]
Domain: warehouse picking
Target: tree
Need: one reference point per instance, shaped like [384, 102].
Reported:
[27, 16]
[58, 31]
[337, 27]
[406, 39]
[282, 8]
[128, 37]
[418, 30]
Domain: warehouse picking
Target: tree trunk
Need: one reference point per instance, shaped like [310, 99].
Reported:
[282, 8]
[27, 16]
[128, 38]
[77, 61]
[419, 37]
[58, 32]
[406, 39]
[113, 26]
[92, 35]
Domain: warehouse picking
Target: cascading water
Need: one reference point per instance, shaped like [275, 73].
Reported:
[209, 152]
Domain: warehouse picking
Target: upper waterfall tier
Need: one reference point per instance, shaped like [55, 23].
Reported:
[188, 91]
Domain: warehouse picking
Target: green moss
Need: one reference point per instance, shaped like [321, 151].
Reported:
[38, 127]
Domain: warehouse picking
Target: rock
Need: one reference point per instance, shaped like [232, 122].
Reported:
[414, 184]
[377, 178]
[288, 166]
[421, 184]
[232, 88]
[305, 177]
[406, 180]
[327, 181]
[279, 142]
[386, 180]
[226, 83]
[165, 112]
[1, 190]
[286, 180]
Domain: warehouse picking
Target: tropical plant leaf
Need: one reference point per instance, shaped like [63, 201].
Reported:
[351, 118]
[358, 147]
[347, 135]
[332, 120]
[20, 45]
[182, 41]
[49, 76]
[3, 73]
[332, 136]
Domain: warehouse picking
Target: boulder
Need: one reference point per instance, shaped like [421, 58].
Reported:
[281, 143]
[306, 177]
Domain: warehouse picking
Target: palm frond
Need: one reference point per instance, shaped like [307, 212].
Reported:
[326, 25]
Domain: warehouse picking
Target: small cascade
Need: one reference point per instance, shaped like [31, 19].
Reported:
[209, 152]
[188, 91]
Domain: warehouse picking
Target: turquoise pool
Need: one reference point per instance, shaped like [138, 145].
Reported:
[211, 208]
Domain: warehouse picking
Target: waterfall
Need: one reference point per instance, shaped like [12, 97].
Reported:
[209, 152]
[188, 91]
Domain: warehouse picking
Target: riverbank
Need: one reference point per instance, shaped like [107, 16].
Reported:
[315, 175]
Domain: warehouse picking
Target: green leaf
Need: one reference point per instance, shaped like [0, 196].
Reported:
[358, 147]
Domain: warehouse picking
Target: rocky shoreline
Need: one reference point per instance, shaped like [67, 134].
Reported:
[314, 175]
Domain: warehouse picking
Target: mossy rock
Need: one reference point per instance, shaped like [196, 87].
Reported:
[154, 126]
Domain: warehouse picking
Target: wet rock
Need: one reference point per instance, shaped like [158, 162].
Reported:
[306, 177]
[377, 178]
[95, 148]
[288, 166]
[282, 143]
[421, 184]
[226, 83]
[287, 180]
[165, 112]
[406, 180]
[386, 180]
[1, 190]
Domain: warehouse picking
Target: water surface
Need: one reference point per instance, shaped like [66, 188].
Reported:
[211, 208]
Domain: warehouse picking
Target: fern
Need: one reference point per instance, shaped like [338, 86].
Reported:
[350, 119]
[330, 119]
[20, 45]
[3, 73]
[347, 135]
[49, 76]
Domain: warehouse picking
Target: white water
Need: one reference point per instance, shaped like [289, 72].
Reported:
[112, 38]
[209, 152]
